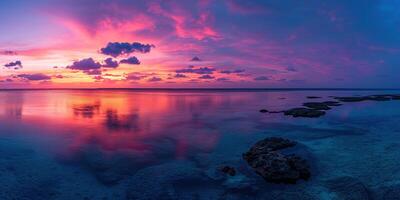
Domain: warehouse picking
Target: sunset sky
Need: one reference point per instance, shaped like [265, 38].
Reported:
[204, 43]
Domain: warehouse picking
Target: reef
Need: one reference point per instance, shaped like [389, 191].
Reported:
[273, 165]
[318, 109]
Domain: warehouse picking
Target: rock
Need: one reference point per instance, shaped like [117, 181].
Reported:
[348, 188]
[304, 112]
[272, 144]
[395, 97]
[367, 98]
[313, 97]
[274, 166]
[263, 111]
[350, 99]
[332, 103]
[228, 170]
[317, 105]
[379, 97]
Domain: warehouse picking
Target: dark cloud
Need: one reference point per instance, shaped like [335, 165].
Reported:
[34, 77]
[59, 76]
[291, 69]
[222, 79]
[195, 59]
[135, 76]
[110, 63]
[16, 65]
[236, 71]
[201, 70]
[261, 78]
[180, 76]
[6, 80]
[85, 64]
[8, 53]
[116, 49]
[206, 76]
[131, 60]
[93, 72]
[154, 79]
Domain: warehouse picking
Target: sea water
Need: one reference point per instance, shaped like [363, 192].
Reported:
[170, 144]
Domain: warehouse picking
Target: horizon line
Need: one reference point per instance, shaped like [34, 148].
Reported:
[203, 89]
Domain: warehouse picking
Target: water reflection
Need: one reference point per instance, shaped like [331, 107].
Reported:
[112, 133]
[86, 110]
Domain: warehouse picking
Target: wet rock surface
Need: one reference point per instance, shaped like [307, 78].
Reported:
[313, 97]
[274, 166]
[228, 170]
[383, 97]
[304, 112]
[317, 109]
[317, 105]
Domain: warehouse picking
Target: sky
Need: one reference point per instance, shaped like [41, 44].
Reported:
[199, 44]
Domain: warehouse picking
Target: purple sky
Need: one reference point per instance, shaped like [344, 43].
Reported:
[209, 43]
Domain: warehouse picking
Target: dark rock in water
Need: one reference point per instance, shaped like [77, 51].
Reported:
[317, 105]
[228, 170]
[274, 166]
[348, 188]
[332, 103]
[367, 98]
[350, 99]
[395, 97]
[379, 98]
[263, 111]
[271, 144]
[313, 97]
[304, 112]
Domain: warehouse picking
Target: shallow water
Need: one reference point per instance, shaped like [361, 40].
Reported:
[126, 144]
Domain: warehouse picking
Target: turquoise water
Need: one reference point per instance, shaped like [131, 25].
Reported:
[127, 144]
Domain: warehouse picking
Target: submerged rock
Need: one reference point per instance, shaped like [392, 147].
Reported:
[332, 103]
[350, 99]
[383, 97]
[274, 166]
[228, 170]
[263, 111]
[271, 144]
[313, 97]
[304, 112]
[317, 105]
[348, 188]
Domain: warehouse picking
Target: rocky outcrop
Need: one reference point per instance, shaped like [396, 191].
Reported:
[313, 97]
[317, 105]
[274, 166]
[383, 97]
[304, 112]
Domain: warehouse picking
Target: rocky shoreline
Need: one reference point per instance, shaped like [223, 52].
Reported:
[318, 109]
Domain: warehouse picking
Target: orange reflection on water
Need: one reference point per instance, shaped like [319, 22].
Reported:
[138, 122]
